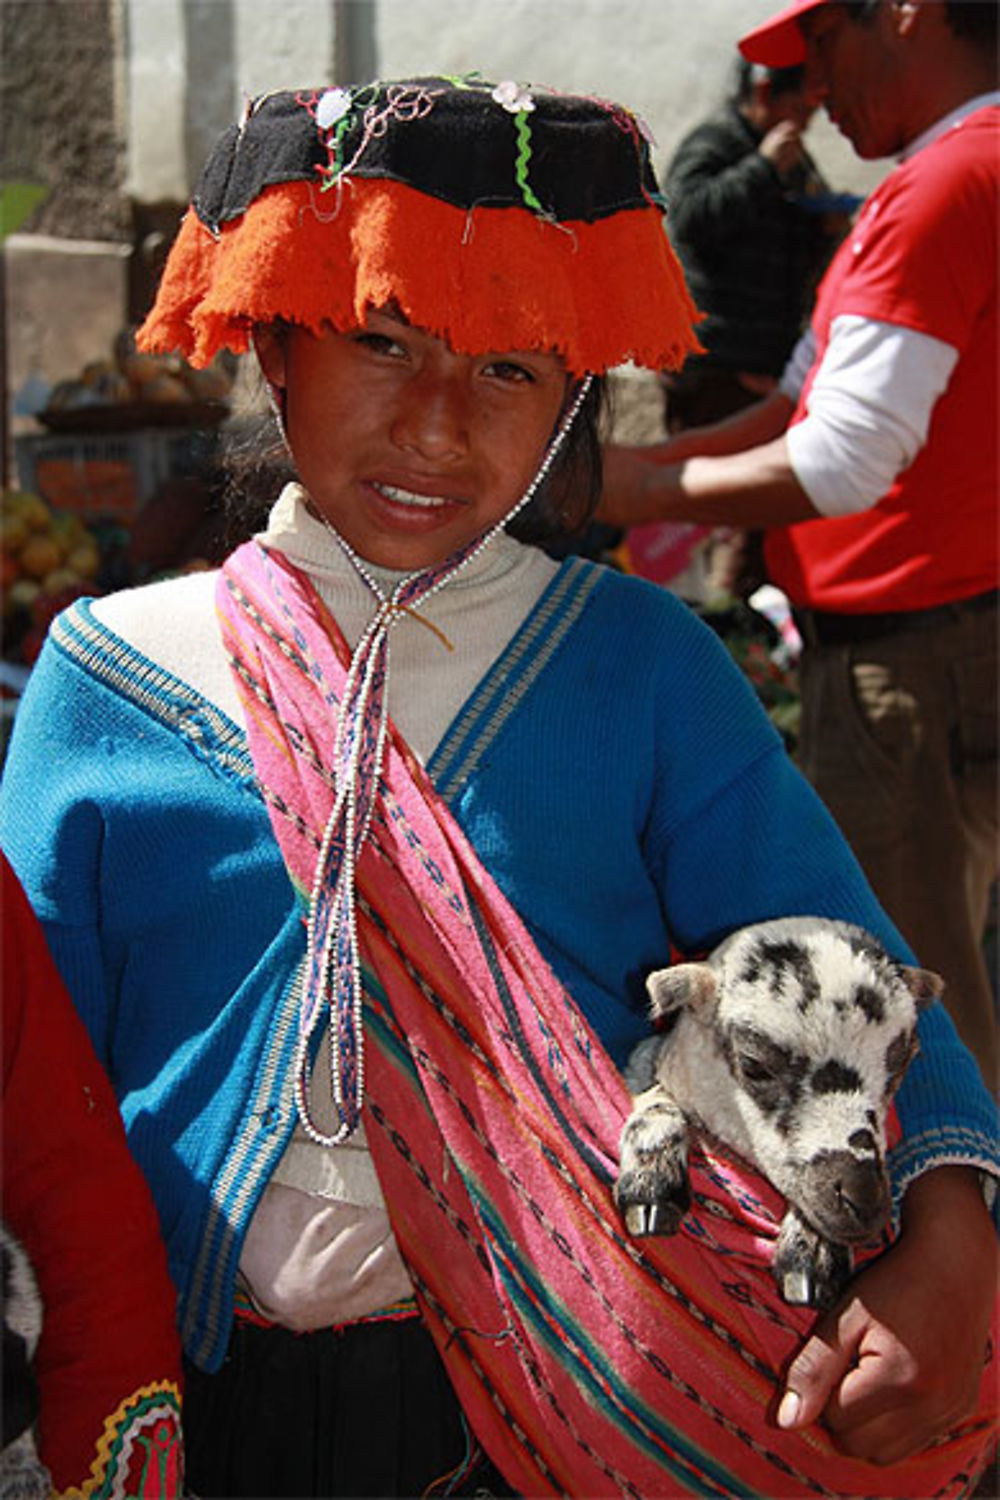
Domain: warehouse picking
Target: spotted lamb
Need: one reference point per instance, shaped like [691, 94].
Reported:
[787, 1045]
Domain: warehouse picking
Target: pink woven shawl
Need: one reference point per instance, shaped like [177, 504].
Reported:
[587, 1363]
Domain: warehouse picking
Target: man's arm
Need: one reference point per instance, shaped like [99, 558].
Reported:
[870, 409]
[733, 473]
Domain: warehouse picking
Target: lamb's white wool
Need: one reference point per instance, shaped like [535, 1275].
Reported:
[22, 1305]
[787, 1044]
[22, 1474]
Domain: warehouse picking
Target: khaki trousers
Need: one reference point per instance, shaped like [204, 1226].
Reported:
[899, 737]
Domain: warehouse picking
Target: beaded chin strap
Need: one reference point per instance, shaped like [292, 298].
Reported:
[333, 965]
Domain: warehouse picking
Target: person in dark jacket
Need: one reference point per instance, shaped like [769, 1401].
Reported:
[754, 223]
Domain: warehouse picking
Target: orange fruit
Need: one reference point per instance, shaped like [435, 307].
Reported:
[40, 555]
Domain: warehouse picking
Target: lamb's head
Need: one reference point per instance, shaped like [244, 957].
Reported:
[797, 1033]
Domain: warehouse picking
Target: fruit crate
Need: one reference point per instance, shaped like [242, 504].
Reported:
[109, 476]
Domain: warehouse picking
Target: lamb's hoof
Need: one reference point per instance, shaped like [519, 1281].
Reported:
[643, 1219]
[647, 1211]
[810, 1271]
[798, 1288]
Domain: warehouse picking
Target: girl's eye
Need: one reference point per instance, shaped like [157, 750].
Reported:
[507, 370]
[379, 343]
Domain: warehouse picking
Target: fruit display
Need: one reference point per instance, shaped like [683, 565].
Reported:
[48, 558]
[129, 387]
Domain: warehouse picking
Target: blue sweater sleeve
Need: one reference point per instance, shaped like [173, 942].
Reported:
[129, 809]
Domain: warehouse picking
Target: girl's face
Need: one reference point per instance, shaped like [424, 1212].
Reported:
[408, 449]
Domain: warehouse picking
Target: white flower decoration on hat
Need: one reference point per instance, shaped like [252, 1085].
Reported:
[513, 97]
[332, 106]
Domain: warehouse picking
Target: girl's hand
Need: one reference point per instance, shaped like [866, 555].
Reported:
[900, 1361]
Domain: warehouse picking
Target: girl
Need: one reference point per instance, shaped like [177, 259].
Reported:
[355, 857]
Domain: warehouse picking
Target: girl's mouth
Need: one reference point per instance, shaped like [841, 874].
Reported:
[399, 496]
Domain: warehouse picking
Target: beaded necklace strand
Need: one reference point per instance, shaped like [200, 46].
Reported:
[333, 985]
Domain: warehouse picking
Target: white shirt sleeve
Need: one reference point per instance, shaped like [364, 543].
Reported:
[800, 362]
[868, 412]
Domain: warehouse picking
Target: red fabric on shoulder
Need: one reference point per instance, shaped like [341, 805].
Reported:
[109, 1354]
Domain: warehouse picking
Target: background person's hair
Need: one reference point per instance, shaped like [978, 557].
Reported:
[976, 21]
[781, 80]
[973, 20]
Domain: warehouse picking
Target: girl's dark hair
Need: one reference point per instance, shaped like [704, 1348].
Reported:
[567, 500]
[257, 464]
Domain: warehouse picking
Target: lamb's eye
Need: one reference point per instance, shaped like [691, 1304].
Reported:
[770, 1072]
[754, 1069]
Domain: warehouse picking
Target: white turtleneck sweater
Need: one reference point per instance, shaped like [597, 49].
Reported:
[319, 1249]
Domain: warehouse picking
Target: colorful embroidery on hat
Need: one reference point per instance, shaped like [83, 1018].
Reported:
[335, 112]
[514, 97]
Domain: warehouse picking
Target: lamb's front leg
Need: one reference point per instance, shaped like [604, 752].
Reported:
[811, 1271]
[652, 1191]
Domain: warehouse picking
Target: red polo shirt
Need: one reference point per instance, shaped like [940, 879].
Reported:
[924, 255]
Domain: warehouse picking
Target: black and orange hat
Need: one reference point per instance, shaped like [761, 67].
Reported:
[496, 216]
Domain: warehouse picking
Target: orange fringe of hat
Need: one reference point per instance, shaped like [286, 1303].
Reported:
[598, 293]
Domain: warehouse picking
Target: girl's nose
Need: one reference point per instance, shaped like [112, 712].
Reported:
[432, 417]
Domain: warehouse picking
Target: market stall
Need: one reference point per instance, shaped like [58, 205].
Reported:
[119, 483]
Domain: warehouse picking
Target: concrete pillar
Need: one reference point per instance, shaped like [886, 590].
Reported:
[156, 167]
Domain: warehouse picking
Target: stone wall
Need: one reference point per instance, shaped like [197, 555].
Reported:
[59, 116]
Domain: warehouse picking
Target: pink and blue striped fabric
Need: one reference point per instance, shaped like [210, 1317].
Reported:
[588, 1364]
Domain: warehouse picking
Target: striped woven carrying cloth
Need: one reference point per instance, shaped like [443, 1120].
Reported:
[588, 1364]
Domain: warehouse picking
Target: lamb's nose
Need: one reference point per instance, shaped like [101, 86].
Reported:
[845, 1196]
[860, 1189]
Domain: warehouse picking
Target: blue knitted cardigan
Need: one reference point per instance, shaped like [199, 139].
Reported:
[615, 774]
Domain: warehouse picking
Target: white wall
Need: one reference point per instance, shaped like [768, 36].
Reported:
[190, 64]
[283, 44]
[191, 61]
[668, 60]
[155, 100]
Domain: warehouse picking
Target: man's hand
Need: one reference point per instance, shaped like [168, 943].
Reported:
[900, 1361]
[634, 485]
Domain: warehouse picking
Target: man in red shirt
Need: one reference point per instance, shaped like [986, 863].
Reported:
[875, 469]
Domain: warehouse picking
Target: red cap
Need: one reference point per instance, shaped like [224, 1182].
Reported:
[778, 43]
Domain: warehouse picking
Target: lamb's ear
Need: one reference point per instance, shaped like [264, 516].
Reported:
[923, 984]
[681, 985]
